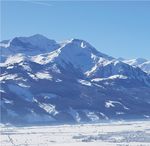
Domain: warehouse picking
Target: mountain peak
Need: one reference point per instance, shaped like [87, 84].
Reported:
[35, 40]
[135, 62]
[141, 60]
[38, 36]
[32, 45]
[80, 42]
[79, 46]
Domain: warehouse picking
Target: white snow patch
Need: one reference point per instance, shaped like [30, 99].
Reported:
[54, 68]
[58, 80]
[8, 101]
[5, 45]
[101, 61]
[25, 66]
[4, 77]
[110, 103]
[2, 91]
[146, 116]
[48, 108]
[83, 45]
[43, 75]
[32, 76]
[98, 85]
[10, 67]
[118, 77]
[23, 85]
[92, 116]
[93, 56]
[45, 58]
[13, 59]
[109, 78]
[84, 82]
[104, 116]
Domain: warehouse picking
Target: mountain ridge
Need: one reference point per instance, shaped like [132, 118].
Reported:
[69, 82]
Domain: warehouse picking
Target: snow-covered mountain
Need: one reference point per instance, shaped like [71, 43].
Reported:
[43, 81]
[145, 66]
[135, 62]
[139, 62]
[33, 45]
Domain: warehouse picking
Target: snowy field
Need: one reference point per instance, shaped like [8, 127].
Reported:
[104, 134]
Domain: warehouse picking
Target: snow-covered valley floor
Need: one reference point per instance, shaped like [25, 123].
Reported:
[103, 134]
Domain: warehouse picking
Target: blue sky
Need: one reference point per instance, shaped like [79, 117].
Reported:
[120, 29]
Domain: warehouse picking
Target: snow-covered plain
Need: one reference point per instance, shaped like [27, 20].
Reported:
[135, 133]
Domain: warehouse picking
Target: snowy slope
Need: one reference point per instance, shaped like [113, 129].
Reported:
[135, 62]
[145, 66]
[141, 63]
[75, 52]
[69, 82]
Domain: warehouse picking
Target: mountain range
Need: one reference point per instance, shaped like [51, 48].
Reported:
[44, 81]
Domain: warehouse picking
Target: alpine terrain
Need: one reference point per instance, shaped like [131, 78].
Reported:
[43, 81]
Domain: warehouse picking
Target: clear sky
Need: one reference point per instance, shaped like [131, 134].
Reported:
[120, 29]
